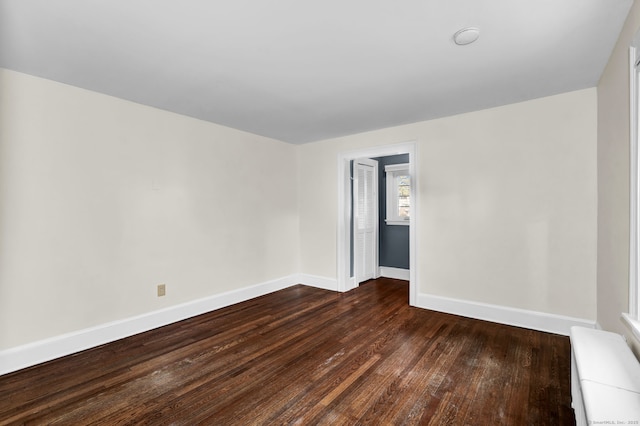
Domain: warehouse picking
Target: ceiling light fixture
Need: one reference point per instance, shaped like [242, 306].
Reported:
[466, 36]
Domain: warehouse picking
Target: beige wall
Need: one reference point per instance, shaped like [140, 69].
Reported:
[102, 199]
[507, 210]
[613, 182]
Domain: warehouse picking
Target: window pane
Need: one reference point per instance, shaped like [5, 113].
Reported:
[403, 212]
[398, 195]
[404, 191]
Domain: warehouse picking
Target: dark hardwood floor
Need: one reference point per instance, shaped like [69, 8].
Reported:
[306, 356]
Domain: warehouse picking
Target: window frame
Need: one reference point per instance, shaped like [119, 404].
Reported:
[632, 317]
[391, 215]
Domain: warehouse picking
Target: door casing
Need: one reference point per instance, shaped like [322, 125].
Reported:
[343, 249]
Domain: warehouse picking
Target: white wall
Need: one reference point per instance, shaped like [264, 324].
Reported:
[613, 182]
[102, 199]
[508, 201]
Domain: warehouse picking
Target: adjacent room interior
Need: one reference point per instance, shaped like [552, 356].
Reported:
[169, 162]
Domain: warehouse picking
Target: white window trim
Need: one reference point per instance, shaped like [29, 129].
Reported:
[391, 194]
[632, 318]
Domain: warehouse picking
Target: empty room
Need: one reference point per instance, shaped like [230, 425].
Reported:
[285, 212]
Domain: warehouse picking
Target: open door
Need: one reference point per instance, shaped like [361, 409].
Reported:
[365, 219]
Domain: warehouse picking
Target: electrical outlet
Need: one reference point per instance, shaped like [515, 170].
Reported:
[161, 290]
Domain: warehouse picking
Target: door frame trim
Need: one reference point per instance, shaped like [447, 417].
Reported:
[345, 283]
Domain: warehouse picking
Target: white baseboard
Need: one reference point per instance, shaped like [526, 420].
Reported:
[541, 321]
[396, 273]
[317, 281]
[20, 357]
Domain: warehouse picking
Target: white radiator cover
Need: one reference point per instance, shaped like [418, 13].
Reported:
[605, 378]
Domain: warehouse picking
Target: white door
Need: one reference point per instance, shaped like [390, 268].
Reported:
[365, 219]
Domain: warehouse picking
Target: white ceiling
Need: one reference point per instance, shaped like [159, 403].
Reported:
[301, 71]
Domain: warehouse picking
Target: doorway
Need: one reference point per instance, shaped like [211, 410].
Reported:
[345, 281]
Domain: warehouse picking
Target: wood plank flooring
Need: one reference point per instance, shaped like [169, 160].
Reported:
[306, 356]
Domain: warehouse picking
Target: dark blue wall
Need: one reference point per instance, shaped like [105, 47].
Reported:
[394, 239]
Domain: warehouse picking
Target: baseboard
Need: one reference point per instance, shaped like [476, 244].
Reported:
[317, 281]
[396, 273]
[541, 321]
[20, 357]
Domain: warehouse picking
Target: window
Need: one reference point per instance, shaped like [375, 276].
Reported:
[634, 197]
[398, 194]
